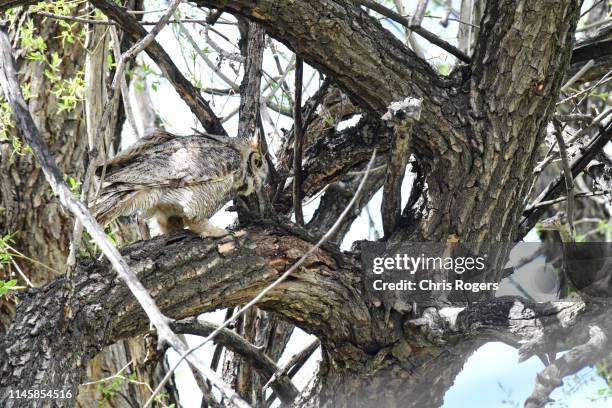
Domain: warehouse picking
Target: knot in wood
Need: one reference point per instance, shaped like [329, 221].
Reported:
[408, 109]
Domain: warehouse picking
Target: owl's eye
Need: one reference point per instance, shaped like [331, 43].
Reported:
[256, 160]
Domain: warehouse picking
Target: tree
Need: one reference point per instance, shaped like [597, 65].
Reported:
[77, 59]
[476, 136]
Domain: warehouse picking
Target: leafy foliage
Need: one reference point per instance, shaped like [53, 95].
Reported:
[5, 254]
[6, 120]
[68, 91]
[5, 287]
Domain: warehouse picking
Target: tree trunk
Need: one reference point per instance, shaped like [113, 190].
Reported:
[30, 210]
[41, 228]
[476, 145]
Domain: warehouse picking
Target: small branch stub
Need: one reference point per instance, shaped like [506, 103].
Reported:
[400, 115]
[407, 110]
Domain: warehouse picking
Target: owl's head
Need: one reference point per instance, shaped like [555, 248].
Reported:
[257, 165]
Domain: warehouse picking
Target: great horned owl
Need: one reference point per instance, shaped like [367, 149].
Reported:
[180, 180]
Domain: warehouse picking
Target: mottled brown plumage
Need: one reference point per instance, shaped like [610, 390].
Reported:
[181, 180]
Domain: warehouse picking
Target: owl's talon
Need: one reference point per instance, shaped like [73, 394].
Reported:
[240, 233]
[205, 229]
[229, 237]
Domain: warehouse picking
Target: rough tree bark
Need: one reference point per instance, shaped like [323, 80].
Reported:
[28, 204]
[325, 298]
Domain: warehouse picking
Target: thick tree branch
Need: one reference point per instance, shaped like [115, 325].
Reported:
[252, 44]
[316, 30]
[517, 321]
[187, 276]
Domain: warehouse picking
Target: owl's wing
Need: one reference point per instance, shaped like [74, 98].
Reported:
[177, 162]
[127, 156]
[161, 161]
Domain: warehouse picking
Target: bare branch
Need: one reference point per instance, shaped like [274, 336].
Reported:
[426, 34]
[235, 343]
[298, 143]
[419, 13]
[401, 115]
[571, 362]
[561, 199]
[594, 122]
[185, 89]
[207, 395]
[224, 53]
[204, 57]
[577, 75]
[295, 359]
[125, 95]
[556, 187]
[447, 8]
[569, 178]
[358, 32]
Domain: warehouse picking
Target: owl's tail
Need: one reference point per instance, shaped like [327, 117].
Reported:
[111, 205]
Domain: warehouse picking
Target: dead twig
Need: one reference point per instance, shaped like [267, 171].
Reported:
[569, 178]
[548, 203]
[298, 143]
[426, 34]
[264, 365]
[295, 359]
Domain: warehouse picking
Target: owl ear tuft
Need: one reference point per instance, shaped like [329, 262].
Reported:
[256, 141]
